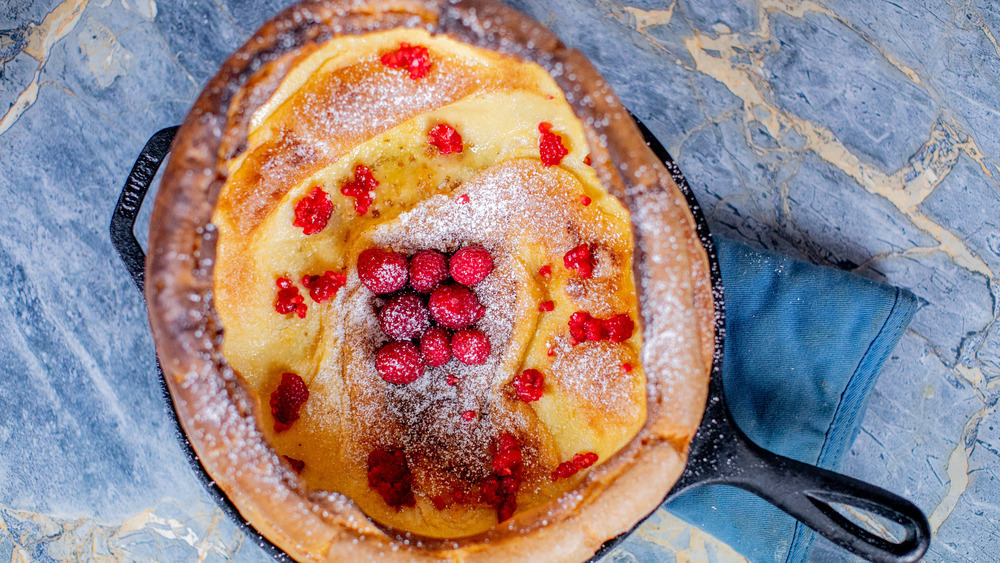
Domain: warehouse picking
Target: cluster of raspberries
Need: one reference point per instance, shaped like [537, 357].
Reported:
[430, 311]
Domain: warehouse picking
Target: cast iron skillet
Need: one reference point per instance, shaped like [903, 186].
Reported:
[720, 453]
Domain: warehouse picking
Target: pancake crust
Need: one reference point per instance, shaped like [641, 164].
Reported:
[293, 110]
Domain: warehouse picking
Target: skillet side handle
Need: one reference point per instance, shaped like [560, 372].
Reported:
[124, 241]
[805, 492]
[130, 202]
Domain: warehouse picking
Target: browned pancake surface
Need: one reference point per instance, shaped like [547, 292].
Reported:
[526, 214]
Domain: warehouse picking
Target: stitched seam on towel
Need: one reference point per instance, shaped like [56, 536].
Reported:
[854, 387]
[801, 540]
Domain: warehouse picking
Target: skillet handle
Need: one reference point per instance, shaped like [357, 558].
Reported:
[722, 454]
[130, 202]
[806, 492]
[124, 241]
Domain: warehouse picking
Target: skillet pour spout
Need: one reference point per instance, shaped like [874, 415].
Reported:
[720, 453]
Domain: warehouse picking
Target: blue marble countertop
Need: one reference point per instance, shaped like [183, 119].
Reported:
[862, 134]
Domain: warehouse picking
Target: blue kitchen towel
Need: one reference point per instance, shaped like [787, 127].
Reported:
[804, 345]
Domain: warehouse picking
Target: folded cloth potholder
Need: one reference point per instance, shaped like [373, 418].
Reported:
[804, 346]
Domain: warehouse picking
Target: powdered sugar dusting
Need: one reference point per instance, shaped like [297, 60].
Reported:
[336, 109]
[513, 206]
[513, 203]
[672, 342]
[592, 373]
[218, 412]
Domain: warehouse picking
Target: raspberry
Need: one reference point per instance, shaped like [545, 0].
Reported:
[550, 146]
[470, 346]
[288, 299]
[297, 464]
[447, 499]
[507, 508]
[471, 265]
[445, 138]
[501, 492]
[507, 460]
[584, 460]
[594, 329]
[626, 368]
[464, 198]
[440, 502]
[325, 286]
[565, 469]
[578, 325]
[583, 327]
[312, 212]
[404, 317]
[287, 399]
[508, 441]
[509, 485]
[570, 468]
[436, 348]
[415, 59]
[585, 201]
[469, 415]
[545, 271]
[390, 476]
[581, 260]
[618, 328]
[451, 378]
[382, 271]
[491, 490]
[428, 268]
[500, 489]
[399, 362]
[454, 306]
[529, 384]
[586, 160]
[360, 188]
[546, 306]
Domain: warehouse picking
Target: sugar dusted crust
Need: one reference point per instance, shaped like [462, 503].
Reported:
[220, 409]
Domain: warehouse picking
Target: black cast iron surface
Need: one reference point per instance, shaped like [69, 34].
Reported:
[124, 241]
[720, 453]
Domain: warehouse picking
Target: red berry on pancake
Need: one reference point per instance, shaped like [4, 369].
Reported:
[470, 346]
[312, 212]
[471, 265]
[414, 58]
[325, 286]
[454, 306]
[445, 138]
[550, 145]
[436, 347]
[287, 399]
[382, 271]
[581, 260]
[428, 268]
[399, 362]
[528, 385]
[404, 317]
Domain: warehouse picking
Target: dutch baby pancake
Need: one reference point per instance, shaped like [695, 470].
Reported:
[442, 302]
